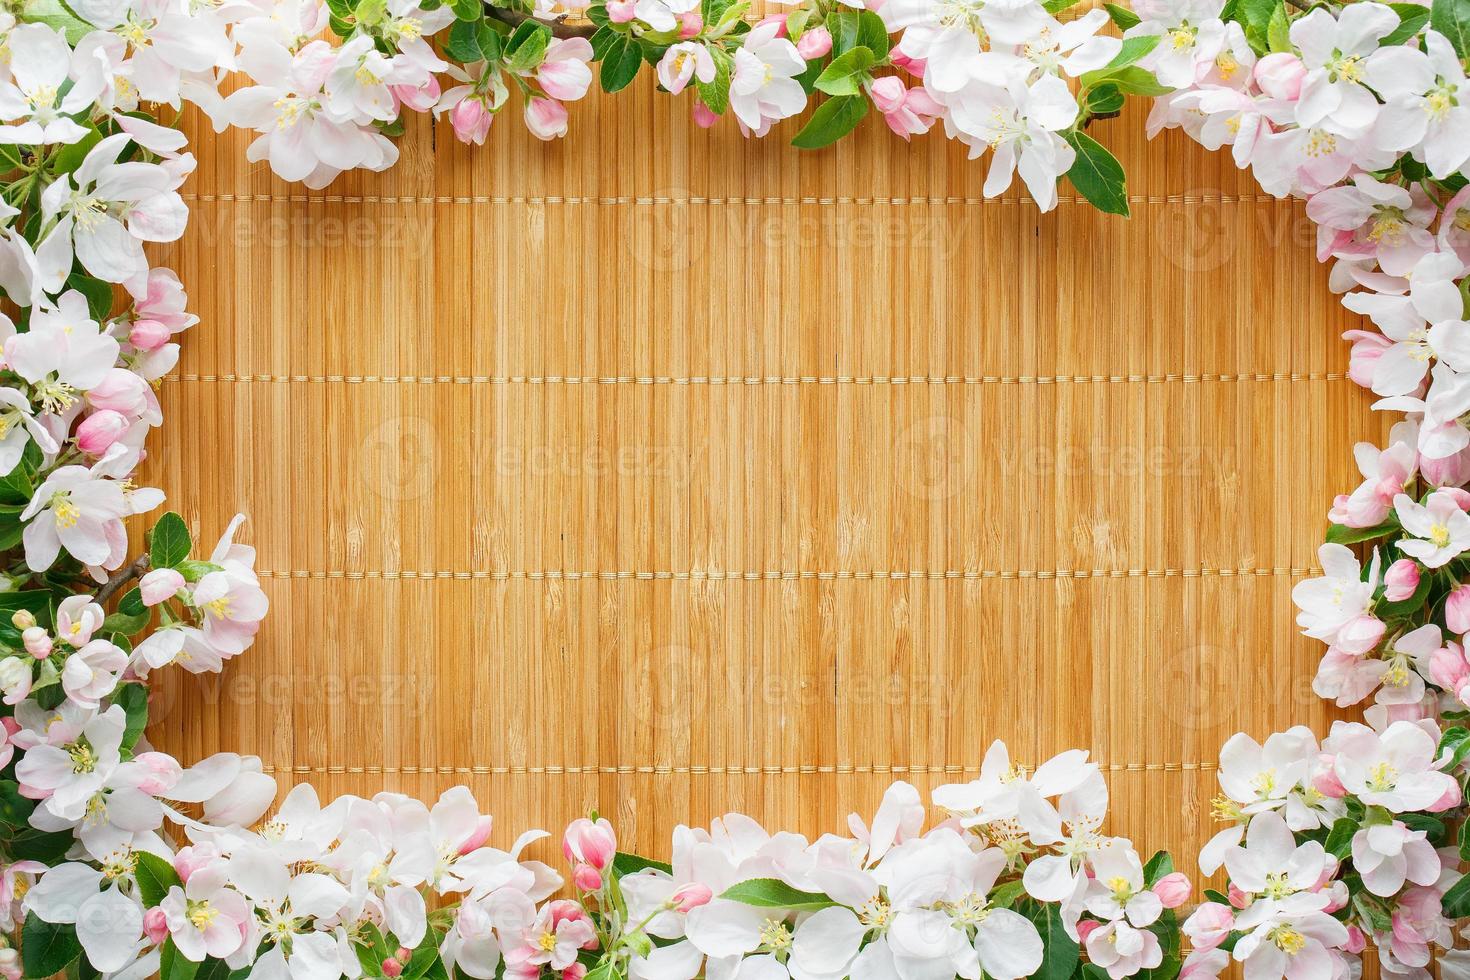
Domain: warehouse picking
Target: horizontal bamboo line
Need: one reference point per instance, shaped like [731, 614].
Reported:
[655, 770]
[778, 575]
[755, 380]
[624, 200]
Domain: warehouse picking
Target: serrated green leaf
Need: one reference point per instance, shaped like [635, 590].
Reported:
[1340, 839]
[872, 34]
[1452, 19]
[1134, 49]
[134, 701]
[1122, 16]
[1457, 899]
[715, 94]
[173, 965]
[169, 543]
[630, 864]
[845, 73]
[526, 47]
[1060, 952]
[620, 64]
[1342, 534]
[1278, 31]
[1097, 174]
[773, 893]
[47, 948]
[1161, 864]
[155, 877]
[833, 120]
[1412, 19]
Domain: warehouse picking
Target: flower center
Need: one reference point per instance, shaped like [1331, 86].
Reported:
[1278, 886]
[66, 513]
[546, 942]
[1381, 777]
[200, 914]
[775, 937]
[1346, 68]
[55, 396]
[1439, 536]
[1287, 939]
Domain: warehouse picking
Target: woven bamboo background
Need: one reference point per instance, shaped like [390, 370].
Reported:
[668, 473]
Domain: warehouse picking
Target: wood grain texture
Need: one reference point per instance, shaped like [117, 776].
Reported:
[671, 473]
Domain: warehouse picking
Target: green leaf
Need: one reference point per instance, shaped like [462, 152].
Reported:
[169, 543]
[1133, 50]
[843, 26]
[467, 9]
[833, 120]
[773, 893]
[15, 809]
[631, 864]
[48, 847]
[1457, 899]
[620, 64]
[603, 971]
[1455, 743]
[1055, 7]
[1340, 839]
[1278, 31]
[47, 947]
[845, 73]
[1342, 534]
[1412, 19]
[1255, 17]
[134, 701]
[1097, 174]
[155, 877]
[715, 94]
[872, 34]
[464, 40]
[1433, 828]
[1452, 19]
[526, 48]
[35, 601]
[131, 604]
[1122, 16]
[173, 965]
[1464, 840]
[1133, 80]
[1060, 951]
[1161, 864]
[1104, 100]
[193, 571]
[1004, 896]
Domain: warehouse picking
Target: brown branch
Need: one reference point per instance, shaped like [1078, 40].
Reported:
[122, 577]
[560, 27]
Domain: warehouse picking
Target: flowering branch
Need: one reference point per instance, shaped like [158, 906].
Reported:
[126, 574]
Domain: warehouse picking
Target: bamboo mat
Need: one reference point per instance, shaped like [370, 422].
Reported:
[668, 473]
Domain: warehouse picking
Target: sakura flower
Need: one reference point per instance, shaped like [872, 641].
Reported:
[1288, 938]
[68, 774]
[232, 605]
[74, 510]
[90, 674]
[358, 86]
[1020, 124]
[1334, 50]
[77, 618]
[683, 62]
[563, 74]
[1384, 475]
[1338, 597]
[1394, 770]
[41, 68]
[109, 923]
[63, 354]
[1405, 661]
[1118, 891]
[1372, 218]
[1122, 950]
[1387, 855]
[112, 209]
[1271, 863]
[763, 87]
[18, 429]
[1426, 95]
[205, 917]
[1191, 35]
[1440, 529]
[296, 912]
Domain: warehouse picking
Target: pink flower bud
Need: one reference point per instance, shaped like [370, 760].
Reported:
[1451, 471]
[546, 118]
[1447, 667]
[621, 11]
[1457, 611]
[688, 897]
[100, 430]
[574, 972]
[1326, 781]
[590, 843]
[565, 910]
[419, 98]
[1401, 580]
[1360, 635]
[471, 121]
[155, 925]
[888, 93]
[1085, 927]
[1209, 925]
[1367, 347]
[190, 859]
[392, 968]
[1238, 898]
[149, 335]
[914, 66]
[778, 19]
[587, 878]
[120, 390]
[1356, 941]
[160, 585]
[156, 773]
[690, 24]
[1173, 890]
[478, 836]
[704, 116]
[38, 642]
[814, 43]
[1280, 75]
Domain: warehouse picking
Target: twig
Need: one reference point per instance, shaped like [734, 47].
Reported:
[559, 26]
[122, 577]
